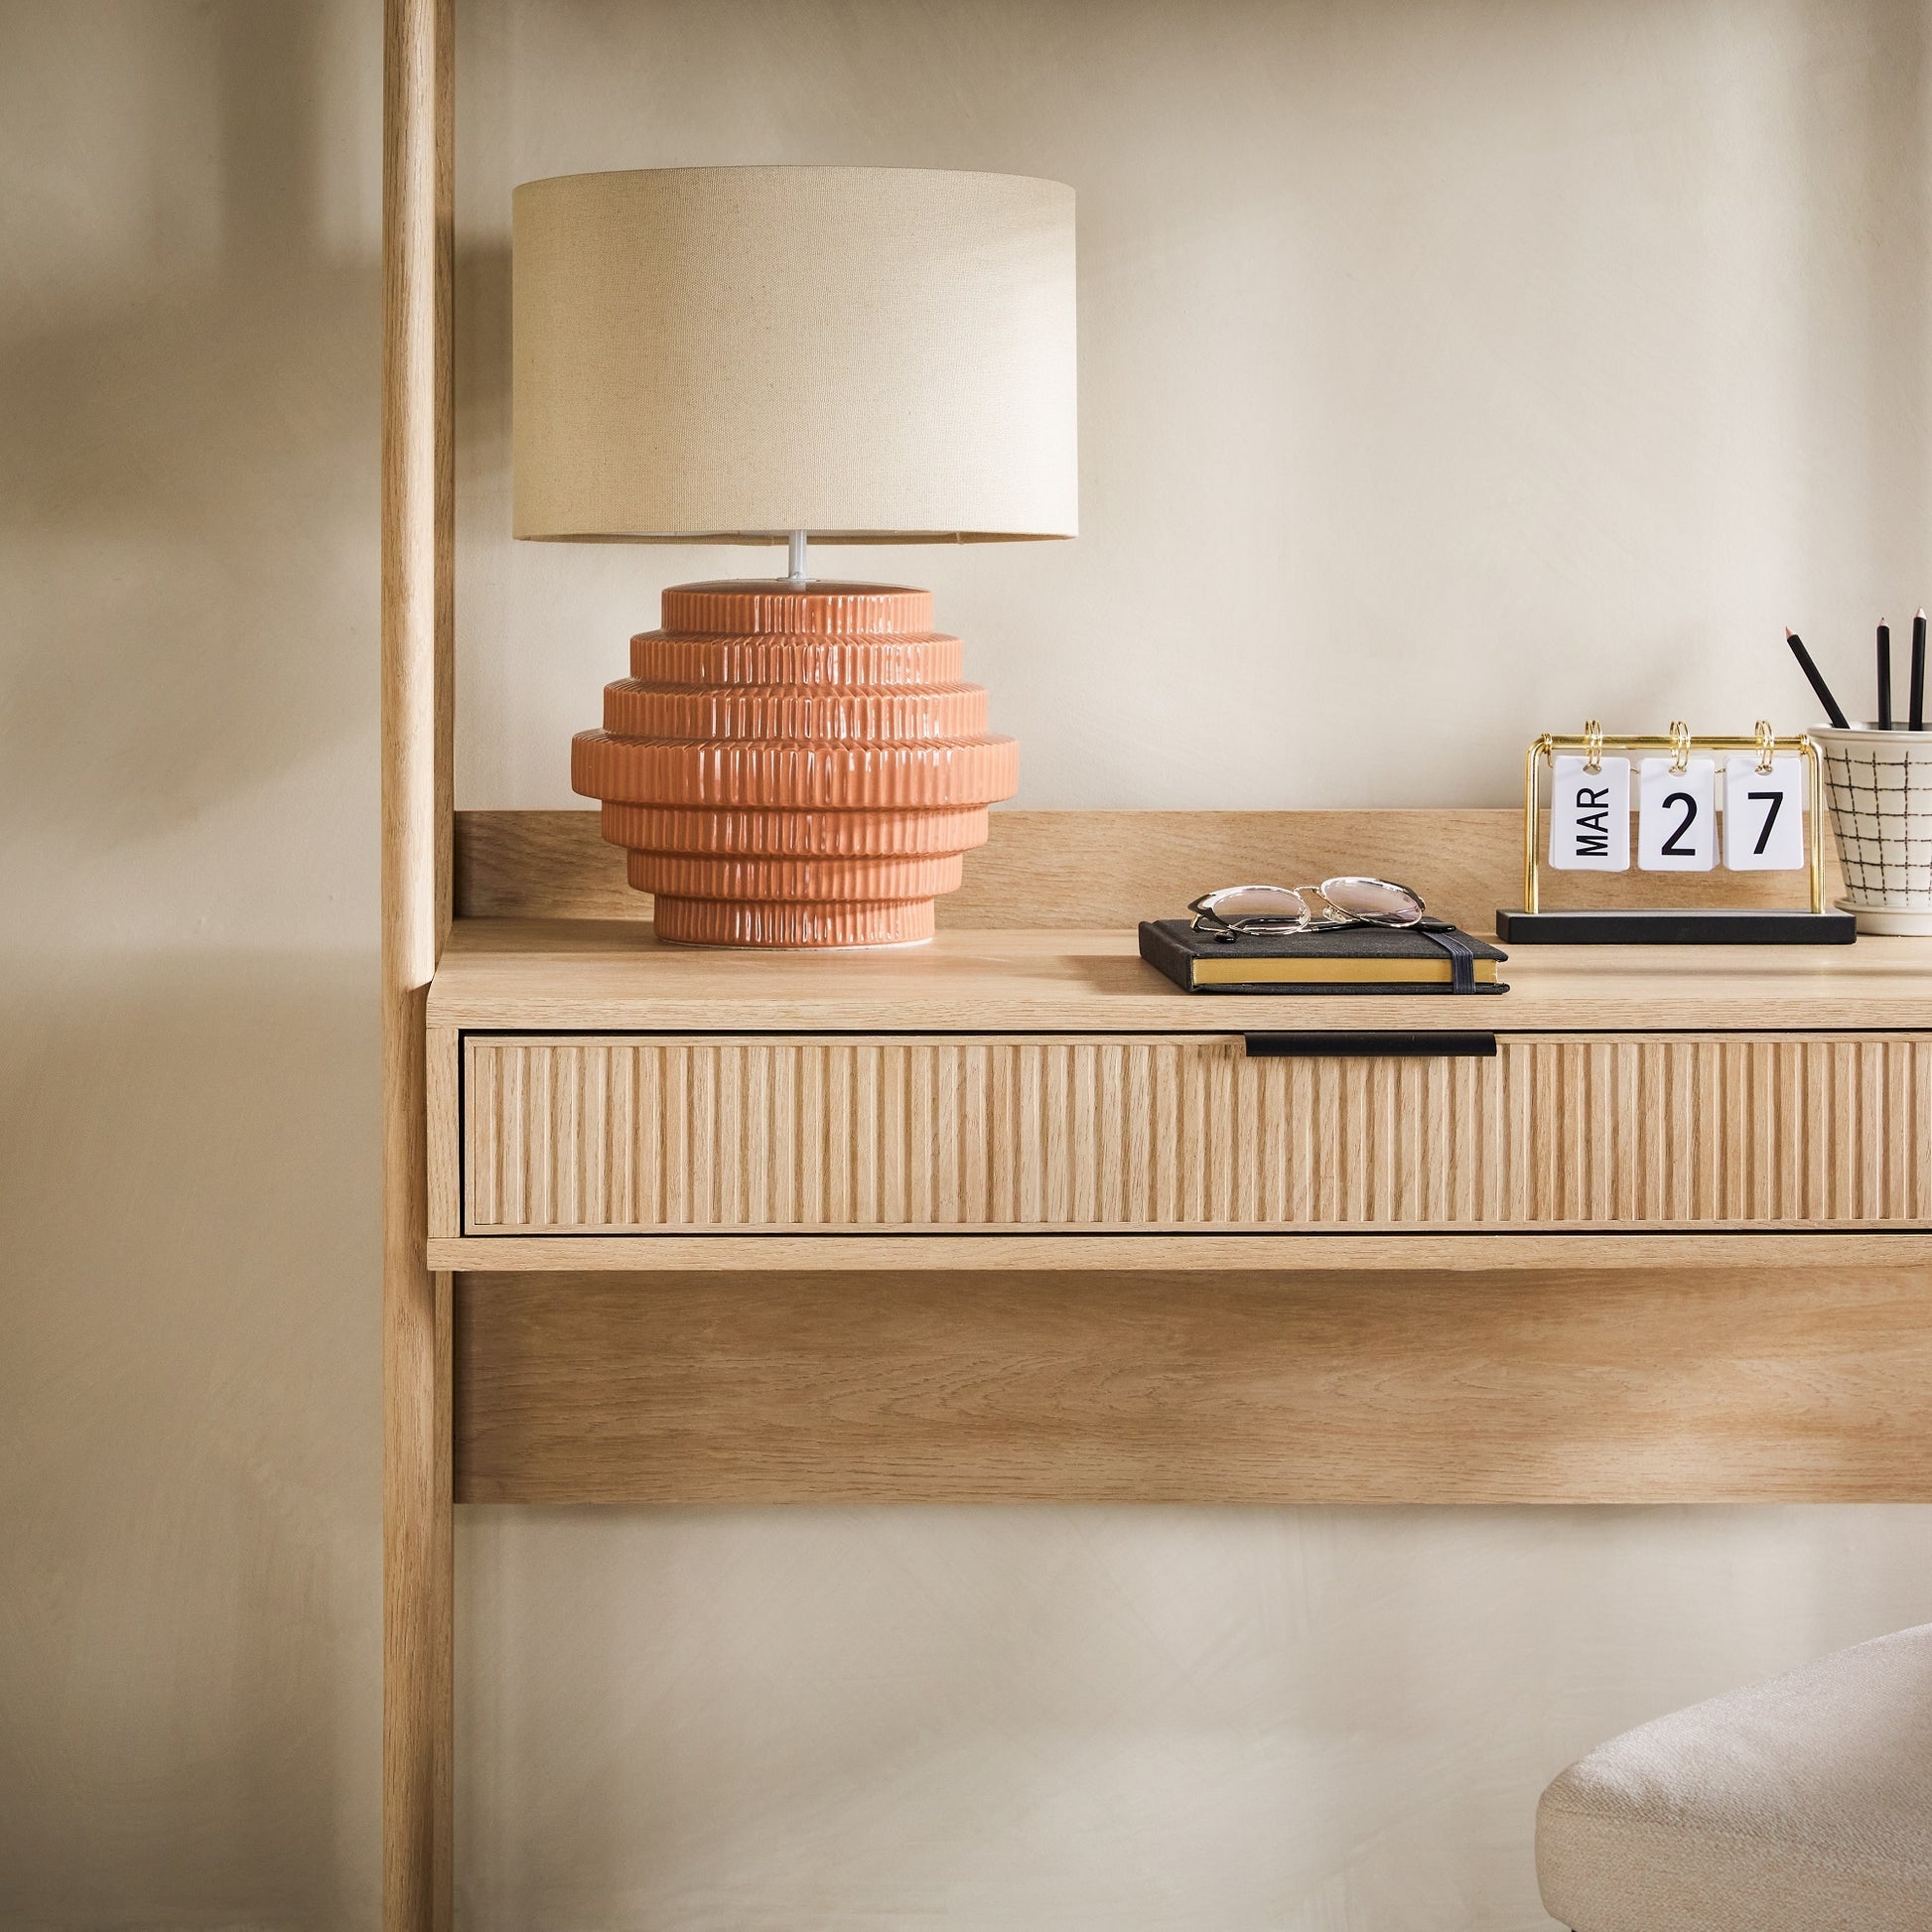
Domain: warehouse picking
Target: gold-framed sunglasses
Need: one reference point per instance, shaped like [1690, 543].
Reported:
[1259, 911]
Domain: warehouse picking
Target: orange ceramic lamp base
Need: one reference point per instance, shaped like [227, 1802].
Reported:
[794, 767]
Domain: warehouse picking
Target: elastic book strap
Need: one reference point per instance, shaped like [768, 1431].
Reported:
[1463, 955]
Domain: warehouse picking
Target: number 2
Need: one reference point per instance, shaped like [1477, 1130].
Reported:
[1670, 847]
[1677, 815]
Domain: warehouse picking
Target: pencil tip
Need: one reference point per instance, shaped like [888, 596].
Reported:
[1790, 635]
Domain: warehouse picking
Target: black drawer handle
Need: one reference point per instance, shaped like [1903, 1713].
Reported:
[1386, 1044]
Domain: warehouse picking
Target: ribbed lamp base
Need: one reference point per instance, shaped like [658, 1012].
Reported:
[767, 923]
[795, 767]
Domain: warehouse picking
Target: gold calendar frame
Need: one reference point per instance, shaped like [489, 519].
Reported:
[1593, 741]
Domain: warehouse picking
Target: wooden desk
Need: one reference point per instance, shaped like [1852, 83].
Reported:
[1010, 1216]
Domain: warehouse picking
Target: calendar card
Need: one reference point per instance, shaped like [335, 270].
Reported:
[1590, 815]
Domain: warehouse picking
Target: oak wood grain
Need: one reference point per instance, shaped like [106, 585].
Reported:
[1465, 1251]
[1115, 869]
[1601, 1386]
[611, 975]
[417, 547]
[1178, 1133]
[443, 1074]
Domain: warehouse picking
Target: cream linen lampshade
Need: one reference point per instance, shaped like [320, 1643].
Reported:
[876, 355]
[763, 354]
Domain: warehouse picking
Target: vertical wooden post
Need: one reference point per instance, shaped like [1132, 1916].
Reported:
[418, 500]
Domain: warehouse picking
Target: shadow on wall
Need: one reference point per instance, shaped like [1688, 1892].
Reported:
[182, 439]
[190, 1495]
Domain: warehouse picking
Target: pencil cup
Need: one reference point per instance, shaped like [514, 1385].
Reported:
[1878, 786]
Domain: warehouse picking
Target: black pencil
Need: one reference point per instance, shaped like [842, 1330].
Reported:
[1885, 677]
[1915, 717]
[1818, 683]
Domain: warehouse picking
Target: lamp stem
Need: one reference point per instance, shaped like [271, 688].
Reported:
[796, 576]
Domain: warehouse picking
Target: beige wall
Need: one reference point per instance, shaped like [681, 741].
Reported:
[1448, 371]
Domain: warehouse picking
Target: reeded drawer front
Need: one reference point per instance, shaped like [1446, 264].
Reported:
[635, 1134]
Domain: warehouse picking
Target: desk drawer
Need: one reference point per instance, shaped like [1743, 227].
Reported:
[642, 1134]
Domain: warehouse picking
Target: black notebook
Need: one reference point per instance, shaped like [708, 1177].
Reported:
[1431, 959]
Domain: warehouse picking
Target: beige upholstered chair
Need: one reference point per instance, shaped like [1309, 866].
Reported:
[1802, 1804]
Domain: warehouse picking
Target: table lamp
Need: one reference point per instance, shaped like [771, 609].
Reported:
[775, 355]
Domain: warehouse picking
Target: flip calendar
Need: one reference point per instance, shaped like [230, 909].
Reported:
[1702, 804]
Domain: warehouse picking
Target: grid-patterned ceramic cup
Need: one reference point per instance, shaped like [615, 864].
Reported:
[1878, 786]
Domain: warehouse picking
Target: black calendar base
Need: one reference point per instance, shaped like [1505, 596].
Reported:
[1735, 928]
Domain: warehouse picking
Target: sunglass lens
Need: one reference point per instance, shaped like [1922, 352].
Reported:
[1375, 901]
[1236, 903]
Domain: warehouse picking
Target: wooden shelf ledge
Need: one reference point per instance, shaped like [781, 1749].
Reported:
[613, 975]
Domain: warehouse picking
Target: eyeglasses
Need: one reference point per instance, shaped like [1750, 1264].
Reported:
[1259, 910]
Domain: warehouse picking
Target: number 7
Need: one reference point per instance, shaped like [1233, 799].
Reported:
[1764, 815]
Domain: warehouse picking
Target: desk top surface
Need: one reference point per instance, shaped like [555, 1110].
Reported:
[615, 975]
